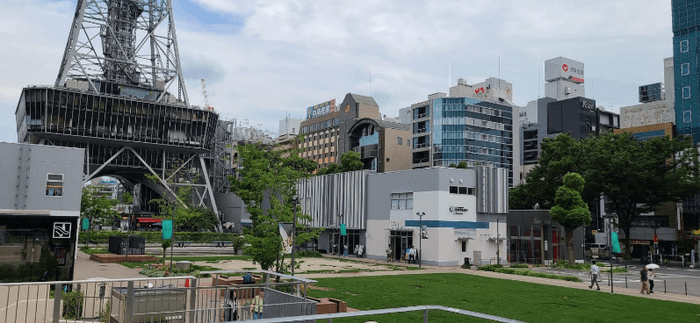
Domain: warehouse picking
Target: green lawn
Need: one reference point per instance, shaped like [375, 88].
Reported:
[510, 299]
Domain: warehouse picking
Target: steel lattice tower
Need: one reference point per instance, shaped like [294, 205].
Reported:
[121, 95]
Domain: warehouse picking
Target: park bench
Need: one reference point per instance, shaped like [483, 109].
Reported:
[221, 244]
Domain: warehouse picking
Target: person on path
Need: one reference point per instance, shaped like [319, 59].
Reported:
[345, 251]
[651, 280]
[412, 255]
[257, 306]
[595, 271]
[644, 278]
[389, 254]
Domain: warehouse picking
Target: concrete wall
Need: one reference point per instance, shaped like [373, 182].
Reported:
[397, 157]
[23, 178]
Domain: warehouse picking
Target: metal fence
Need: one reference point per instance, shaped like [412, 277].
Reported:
[184, 299]
[423, 308]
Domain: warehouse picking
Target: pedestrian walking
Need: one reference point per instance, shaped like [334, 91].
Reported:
[595, 271]
[231, 306]
[345, 250]
[412, 255]
[389, 253]
[651, 280]
[257, 306]
[644, 278]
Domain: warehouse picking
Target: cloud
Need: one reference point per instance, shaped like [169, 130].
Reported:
[267, 58]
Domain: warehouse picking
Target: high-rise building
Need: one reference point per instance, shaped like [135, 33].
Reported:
[686, 22]
[449, 130]
[652, 92]
[564, 78]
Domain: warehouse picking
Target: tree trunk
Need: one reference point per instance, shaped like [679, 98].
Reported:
[570, 246]
[628, 246]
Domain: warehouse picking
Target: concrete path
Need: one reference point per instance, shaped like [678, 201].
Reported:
[86, 269]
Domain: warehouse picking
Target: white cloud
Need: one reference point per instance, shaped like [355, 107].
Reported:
[282, 56]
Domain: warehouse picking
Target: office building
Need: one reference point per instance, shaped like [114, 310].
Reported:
[449, 130]
[564, 78]
[686, 22]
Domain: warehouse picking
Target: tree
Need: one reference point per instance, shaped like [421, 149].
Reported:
[637, 176]
[266, 182]
[570, 211]
[127, 198]
[349, 161]
[558, 157]
[634, 176]
[188, 216]
[96, 206]
[462, 164]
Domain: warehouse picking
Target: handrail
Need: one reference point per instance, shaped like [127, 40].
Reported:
[423, 308]
[89, 281]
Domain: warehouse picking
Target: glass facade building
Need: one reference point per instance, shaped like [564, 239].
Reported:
[686, 24]
[464, 130]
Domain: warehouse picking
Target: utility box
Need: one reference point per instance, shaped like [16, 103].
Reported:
[158, 304]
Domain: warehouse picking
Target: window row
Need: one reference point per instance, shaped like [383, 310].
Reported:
[462, 190]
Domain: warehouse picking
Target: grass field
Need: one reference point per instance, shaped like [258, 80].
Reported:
[505, 298]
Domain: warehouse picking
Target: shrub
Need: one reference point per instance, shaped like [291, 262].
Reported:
[531, 273]
[519, 266]
[156, 236]
[72, 305]
[491, 267]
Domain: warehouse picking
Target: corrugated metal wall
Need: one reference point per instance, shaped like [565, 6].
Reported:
[324, 197]
[492, 190]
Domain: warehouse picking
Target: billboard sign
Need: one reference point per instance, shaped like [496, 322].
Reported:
[563, 68]
[320, 109]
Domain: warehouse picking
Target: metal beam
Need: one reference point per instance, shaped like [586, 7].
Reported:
[85, 179]
[162, 182]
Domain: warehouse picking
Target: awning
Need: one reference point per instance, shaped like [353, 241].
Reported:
[149, 220]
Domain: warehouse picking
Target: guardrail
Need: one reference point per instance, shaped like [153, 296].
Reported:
[424, 308]
[160, 299]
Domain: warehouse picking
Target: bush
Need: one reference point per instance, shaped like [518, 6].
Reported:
[72, 305]
[491, 267]
[519, 266]
[156, 236]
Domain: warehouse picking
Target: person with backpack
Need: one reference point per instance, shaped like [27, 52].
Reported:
[644, 278]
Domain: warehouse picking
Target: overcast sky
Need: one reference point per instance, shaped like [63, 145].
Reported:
[263, 59]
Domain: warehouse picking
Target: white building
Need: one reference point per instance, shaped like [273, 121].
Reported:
[564, 78]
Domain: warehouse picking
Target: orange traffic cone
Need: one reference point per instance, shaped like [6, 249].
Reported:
[187, 283]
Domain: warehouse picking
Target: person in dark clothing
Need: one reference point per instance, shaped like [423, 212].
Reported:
[231, 306]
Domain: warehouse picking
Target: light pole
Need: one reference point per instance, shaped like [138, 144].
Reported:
[420, 237]
[340, 237]
[295, 201]
[655, 225]
[610, 218]
[172, 239]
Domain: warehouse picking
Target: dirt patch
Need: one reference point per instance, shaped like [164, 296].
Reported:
[306, 265]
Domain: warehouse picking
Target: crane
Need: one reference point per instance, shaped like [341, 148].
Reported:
[206, 97]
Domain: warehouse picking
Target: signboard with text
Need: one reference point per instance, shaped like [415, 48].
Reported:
[167, 229]
[320, 109]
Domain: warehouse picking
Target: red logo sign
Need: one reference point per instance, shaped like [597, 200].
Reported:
[565, 67]
[479, 90]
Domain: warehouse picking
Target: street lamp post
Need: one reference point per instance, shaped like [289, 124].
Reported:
[172, 239]
[420, 237]
[610, 218]
[295, 201]
[340, 237]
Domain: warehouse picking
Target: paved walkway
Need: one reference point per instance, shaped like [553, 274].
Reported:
[86, 269]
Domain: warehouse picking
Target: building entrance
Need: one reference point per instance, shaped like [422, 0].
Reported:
[400, 240]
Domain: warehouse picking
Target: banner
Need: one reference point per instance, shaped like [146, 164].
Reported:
[343, 231]
[287, 238]
[615, 243]
[86, 224]
[167, 229]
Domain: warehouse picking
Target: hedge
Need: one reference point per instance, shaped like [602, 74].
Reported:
[525, 272]
[156, 236]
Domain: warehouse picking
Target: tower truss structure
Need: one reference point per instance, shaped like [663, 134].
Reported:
[114, 97]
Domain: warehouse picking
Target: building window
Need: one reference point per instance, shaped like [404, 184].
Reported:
[684, 46]
[686, 92]
[54, 185]
[685, 68]
[464, 246]
[462, 190]
[399, 141]
[687, 117]
[400, 201]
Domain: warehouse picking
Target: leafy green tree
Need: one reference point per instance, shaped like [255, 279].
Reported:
[188, 216]
[127, 198]
[637, 176]
[462, 164]
[349, 161]
[266, 177]
[96, 206]
[570, 210]
[558, 157]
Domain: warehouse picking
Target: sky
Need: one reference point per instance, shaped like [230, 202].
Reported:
[267, 59]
